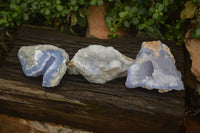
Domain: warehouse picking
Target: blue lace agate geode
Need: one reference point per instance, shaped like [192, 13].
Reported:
[154, 68]
[47, 60]
[99, 64]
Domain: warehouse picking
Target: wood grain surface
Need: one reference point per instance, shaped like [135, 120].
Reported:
[100, 108]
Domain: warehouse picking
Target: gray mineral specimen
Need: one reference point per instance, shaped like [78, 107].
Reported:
[154, 68]
[99, 64]
[47, 60]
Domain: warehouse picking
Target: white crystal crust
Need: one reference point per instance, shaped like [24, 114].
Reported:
[99, 64]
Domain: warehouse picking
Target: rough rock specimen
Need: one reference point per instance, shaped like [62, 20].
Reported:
[154, 68]
[99, 64]
[193, 47]
[46, 60]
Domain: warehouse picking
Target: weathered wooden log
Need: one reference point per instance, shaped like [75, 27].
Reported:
[100, 108]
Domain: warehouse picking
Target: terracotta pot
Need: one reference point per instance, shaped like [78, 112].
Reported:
[96, 23]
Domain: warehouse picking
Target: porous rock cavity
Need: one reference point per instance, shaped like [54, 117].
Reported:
[47, 60]
[154, 68]
[99, 64]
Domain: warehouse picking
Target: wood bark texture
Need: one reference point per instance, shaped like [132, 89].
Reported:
[110, 108]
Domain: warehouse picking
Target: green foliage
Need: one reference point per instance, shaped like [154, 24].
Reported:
[192, 12]
[157, 19]
[196, 30]
[60, 14]
[152, 19]
[197, 2]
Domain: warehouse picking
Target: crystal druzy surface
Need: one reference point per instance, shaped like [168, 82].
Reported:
[154, 68]
[47, 60]
[99, 64]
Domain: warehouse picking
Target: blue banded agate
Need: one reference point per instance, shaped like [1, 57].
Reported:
[154, 68]
[46, 60]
